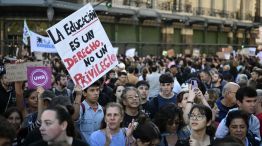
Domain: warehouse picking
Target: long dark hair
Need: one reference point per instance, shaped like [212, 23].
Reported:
[11, 110]
[166, 115]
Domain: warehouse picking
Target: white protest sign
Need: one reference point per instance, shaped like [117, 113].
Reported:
[252, 51]
[41, 44]
[83, 46]
[131, 52]
[196, 52]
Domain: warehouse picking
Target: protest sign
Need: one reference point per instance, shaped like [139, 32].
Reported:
[83, 46]
[39, 76]
[131, 52]
[252, 51]
[164, 53]
[17, 72]
[170, 53]
[41, 44]
[196, 52]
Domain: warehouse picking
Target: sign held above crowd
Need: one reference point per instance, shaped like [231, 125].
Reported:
[83, 46]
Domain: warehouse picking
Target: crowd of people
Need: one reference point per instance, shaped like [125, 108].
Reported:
[143, 101]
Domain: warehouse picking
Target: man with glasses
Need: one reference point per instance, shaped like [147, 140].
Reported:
[246, 101]
[131, 103]
[227, 101]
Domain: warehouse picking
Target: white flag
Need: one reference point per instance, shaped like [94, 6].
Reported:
[41, 43]
[26, 33]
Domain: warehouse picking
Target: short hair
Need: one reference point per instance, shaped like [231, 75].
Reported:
[228, 141]
[142, 83]
[245, 92]
[237, 114]
[123, 96]
[166, 78]
[59, 76]
[227, 86]
[204, 110]
[153, 68]
[95, 84]
[112, 104]
[63, 115]
[6, 129]
[121, 73]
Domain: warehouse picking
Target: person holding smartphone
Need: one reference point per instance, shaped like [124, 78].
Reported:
[195, 95]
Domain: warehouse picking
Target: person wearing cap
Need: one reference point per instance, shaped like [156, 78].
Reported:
[165, 96]
[121, 67]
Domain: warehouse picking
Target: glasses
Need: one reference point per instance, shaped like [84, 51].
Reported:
[196, 117]
[132, 97]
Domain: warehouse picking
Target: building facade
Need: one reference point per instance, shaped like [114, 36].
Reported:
[150, 26]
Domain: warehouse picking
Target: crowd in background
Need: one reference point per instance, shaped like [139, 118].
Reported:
[143, 101]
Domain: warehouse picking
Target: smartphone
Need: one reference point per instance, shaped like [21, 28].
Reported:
[194, 84]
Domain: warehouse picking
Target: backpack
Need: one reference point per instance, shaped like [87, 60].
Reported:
[83, 108]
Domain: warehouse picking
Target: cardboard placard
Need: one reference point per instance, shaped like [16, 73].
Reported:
[18, 72]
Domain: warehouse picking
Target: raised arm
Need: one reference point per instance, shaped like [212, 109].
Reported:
[77, 102]
[40, 107]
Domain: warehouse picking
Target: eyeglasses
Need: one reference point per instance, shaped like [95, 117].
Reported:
[132, 97]
[196, 117]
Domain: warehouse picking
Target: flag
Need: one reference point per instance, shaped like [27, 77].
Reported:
[26, 33]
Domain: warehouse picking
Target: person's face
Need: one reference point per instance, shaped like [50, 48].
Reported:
[32, 100]
[172, 125]
[203, 77]
[215, 78]
[173, 70]
[5, 141]
[5, 81]
[231, 93]
[166, 88]
[123, 79]
[254, 75]
[63, 82]
[113, 118]
[143, 90]
[112, 75]
[248, 104]
[50, 128]
[197, 121]
[183, 103]
[238, 128]
[119, 91]
[92, 94]
[132, 99]
[15, 120]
